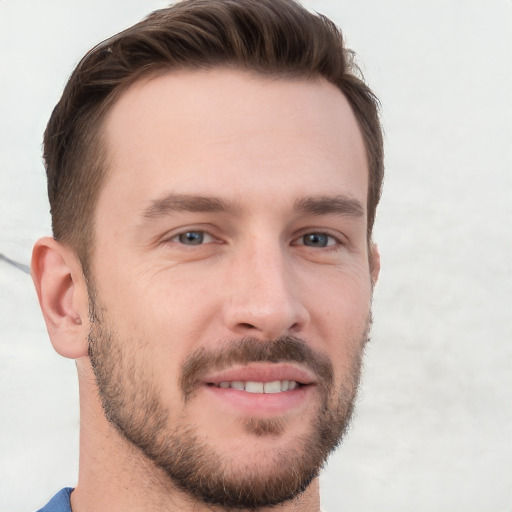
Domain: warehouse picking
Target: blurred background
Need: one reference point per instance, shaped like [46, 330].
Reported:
[433, 427]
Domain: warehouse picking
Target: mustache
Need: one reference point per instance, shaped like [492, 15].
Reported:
[251, 350]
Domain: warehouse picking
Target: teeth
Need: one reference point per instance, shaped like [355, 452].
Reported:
[254, 387]
[276, 386]
[272, 387]
[238, 384]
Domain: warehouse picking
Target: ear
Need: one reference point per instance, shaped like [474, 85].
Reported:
[374, 263]
[62, 293]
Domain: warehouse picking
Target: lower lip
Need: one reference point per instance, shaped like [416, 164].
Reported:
[259, 404]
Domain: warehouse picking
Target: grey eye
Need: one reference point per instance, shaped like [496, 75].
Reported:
[191, 238]
[316, 240]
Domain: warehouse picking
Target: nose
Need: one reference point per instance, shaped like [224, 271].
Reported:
[262, 297]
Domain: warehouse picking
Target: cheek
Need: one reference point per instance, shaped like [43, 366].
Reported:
[342, 302]
[165, 320]
[156, 297]
[340, 317]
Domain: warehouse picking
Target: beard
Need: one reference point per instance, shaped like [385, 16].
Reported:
[133, 405]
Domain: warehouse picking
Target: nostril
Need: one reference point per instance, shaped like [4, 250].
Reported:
[297, 326]
[247, 326]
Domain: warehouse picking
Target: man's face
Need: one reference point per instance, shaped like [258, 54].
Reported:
[231, 283]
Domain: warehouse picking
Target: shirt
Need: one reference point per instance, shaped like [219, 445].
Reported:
[60, 502]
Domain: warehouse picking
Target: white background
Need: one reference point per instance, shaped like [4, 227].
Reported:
[433, 429]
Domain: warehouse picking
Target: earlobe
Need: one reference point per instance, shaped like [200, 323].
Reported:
[62, 294]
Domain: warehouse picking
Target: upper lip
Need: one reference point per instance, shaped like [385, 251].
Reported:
[261, 372]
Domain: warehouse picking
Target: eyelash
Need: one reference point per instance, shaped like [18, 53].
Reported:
[176, 237]
[299, 241]
[328, 247]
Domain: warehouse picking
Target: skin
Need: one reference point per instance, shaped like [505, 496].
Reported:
[260, 146]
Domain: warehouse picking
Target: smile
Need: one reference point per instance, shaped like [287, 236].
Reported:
[260, 389]
[276, 386]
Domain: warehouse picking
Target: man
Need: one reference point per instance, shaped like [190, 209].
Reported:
[213, 175]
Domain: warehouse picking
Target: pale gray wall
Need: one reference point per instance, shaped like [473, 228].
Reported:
[433, 429]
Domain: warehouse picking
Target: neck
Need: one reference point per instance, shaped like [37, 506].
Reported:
[114, 475]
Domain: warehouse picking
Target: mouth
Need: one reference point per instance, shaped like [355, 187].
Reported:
[251, 386]
[261, 378]
[260, 389]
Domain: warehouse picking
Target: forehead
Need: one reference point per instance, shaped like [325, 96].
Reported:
[230, 133]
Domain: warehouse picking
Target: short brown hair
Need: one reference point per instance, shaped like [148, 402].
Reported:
[268, 37]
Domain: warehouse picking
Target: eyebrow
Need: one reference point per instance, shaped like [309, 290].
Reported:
[330, 205]
[321, 205]
[189, 203]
